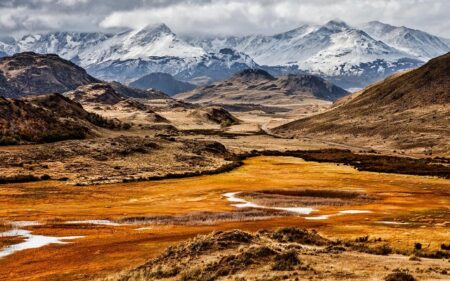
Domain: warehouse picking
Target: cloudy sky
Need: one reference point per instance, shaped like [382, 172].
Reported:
[216, 16]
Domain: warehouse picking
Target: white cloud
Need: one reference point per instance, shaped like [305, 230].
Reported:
[244, 17]
[218, 16]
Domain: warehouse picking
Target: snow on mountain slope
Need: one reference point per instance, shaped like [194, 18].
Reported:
[279, 49]
[95, 47]
[7, 46]
[143, 43]
[419, 44]
[332, 49]
[348, 56]
[216, 66]
[346, 49]
[67, 45]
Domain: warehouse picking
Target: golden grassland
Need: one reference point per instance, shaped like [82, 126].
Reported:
[107, 249]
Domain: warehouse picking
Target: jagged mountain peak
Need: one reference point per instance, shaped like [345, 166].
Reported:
[159, 27]
[415, 43]
[296, 32]
[148, 32]
[336, 25]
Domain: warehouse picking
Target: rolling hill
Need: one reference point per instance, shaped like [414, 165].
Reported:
[409, 111]
[26, 74]
[47, 118]
[256, 86]
[163, 82]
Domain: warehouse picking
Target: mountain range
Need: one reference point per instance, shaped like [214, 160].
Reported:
[351, 57]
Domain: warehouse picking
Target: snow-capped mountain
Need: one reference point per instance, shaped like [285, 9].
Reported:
[67, 45]
[96, 47]
[280, 49]
[150, 41]
[216, 66]
[7, 46]
[416, 43]
[131, 54]
[331, 49]
[350, 57]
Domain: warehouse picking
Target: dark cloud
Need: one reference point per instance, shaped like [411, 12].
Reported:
[216, 17]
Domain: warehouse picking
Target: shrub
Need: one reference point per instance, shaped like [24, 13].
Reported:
[434, 255]
[8, 140]
[400, 275]
[45, 177]
[302, 236]
[417, 246]
[362, 239]
[18, 179]
[382, 250]
[286, 261]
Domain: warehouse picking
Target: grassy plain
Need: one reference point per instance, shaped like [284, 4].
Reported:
[419, 204]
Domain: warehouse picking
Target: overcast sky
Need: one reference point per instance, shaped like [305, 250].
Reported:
[216, 16]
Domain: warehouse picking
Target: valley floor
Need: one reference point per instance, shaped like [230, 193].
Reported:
[119, 226]
[98, 208]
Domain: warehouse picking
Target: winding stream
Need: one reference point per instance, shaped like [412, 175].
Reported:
[242, 203]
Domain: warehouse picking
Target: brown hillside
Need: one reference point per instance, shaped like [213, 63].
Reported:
[149, 94]
[34, 74]
[105, 100]
[216, 115]
[409, 111]
[254, 86]
[46, 118]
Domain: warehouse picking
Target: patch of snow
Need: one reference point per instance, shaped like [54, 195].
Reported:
[419, 44]
[31, 241]
[321, 217]
[96, 222]
[340, 213]
[242, 203]
[392, 222]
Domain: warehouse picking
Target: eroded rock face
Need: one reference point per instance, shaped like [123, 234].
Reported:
[35, 74]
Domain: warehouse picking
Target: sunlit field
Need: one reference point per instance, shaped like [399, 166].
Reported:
[110, 228]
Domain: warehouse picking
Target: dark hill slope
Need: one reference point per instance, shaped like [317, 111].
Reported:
[46, 118]
[26, 74]
[163, 82]
[407, 111]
